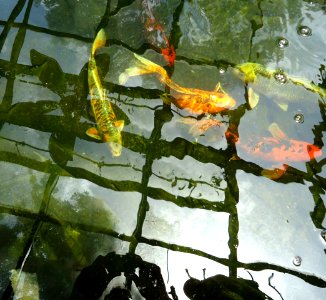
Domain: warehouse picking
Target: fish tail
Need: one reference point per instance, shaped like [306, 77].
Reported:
[99, 41]
[130, 72]
[145, 66]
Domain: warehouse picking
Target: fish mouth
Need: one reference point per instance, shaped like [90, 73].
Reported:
[115, 148]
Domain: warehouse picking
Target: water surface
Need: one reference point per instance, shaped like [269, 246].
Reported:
[178, 200]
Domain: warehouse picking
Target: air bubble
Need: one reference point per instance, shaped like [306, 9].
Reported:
[280, 77]
[304, 31]
[282, 43]
[299, 118]
[297, 261]
[222, 70]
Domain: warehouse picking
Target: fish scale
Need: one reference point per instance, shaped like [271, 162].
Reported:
[108, 127]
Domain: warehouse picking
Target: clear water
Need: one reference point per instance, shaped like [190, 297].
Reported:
[178, 200]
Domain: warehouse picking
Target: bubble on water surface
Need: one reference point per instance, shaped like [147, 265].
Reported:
[222, 70]
[299, 118]
[280, 77]
[304, 31]
[297, 261]
[282, 43]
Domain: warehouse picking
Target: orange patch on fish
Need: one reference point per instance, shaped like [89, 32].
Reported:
[274, 150]
[278, 149]
[198, 101]
[195, 100]
[168, 51]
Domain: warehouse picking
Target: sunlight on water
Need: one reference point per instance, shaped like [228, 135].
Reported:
[217, 114]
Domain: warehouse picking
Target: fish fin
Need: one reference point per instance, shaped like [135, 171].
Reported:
[119, 124]
[146, 67]
[145, 61]
[218, 88]
[253, 98]
[151, 67]
[283, 106]
[166, 98]
[99, 41]
[133, 71]
[201, 126]
[123, 77]
[93, 132]
[277, 132]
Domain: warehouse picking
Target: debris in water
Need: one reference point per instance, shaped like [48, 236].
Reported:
[323, 234]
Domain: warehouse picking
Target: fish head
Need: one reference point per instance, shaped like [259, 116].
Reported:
[114, 142]
[115, 148]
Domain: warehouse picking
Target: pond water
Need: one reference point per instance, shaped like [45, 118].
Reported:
[239, 193]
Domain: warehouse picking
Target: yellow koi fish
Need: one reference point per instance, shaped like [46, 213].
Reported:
[108, 127]
[197, 101]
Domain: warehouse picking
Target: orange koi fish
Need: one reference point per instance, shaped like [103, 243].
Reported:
[277, 149]
[196, 101]
[151, 25]
[168, 51]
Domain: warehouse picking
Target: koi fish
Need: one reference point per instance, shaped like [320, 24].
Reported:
[168, 51]
[197, 101]
[276, 149]
[265, 81]
[248, 72]
[108, 128]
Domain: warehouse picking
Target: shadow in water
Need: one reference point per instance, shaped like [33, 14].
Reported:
[67, 129]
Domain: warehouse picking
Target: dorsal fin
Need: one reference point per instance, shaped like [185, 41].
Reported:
[277, 132]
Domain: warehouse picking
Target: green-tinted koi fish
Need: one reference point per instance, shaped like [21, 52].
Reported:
[108, 127]
[265, 81]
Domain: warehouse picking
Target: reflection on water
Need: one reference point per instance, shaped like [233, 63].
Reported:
[239, 193]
